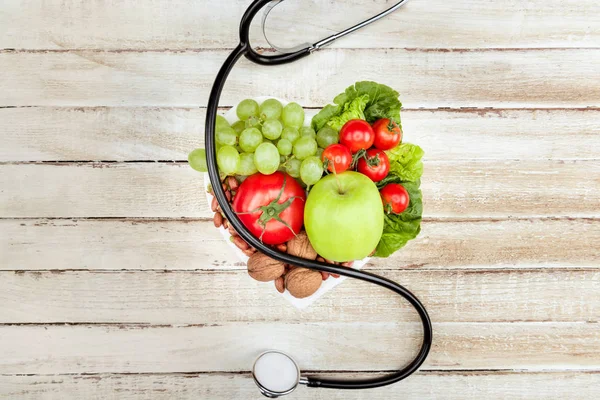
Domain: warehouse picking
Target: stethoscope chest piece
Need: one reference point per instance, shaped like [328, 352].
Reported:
[276, 374]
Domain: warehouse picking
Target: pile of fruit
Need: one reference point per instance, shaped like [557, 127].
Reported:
[338, 189]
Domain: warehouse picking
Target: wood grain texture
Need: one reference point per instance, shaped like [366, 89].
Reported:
[437, 78]
[495, 189]
[220, 297]
[40, 244]
[124, 134]
[163, 24]
[425, 385]
[325, 346]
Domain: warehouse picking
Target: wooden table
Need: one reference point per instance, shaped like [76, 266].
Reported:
[115, 285]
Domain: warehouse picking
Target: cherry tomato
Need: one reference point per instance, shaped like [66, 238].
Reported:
[395, 198]
[338, 158]
[375, 165]
[387, 134]
[263, 201]
[357, 135]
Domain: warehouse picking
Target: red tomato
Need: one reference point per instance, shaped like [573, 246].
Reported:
[395, 198]
[338, 158]
[357, 134]
[375, 165]
[387, 134]
[262, 200]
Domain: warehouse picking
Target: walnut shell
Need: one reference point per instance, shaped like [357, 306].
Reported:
[302, 282]
[300, 246]
[264, 268]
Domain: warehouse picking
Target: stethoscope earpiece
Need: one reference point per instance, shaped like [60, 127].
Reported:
[276, 374]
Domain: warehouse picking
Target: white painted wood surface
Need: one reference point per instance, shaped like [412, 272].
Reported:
[114, 285]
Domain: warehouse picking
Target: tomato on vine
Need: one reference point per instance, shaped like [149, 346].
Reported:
[357, 135]
[387, 134]
[337, 158]
[375, 164]
[395, 198]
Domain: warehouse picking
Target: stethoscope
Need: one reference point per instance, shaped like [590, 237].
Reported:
[274, 372]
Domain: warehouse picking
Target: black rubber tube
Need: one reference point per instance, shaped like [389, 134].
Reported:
[211, 114]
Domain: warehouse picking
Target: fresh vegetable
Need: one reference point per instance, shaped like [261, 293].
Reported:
[197, 160]
[337, 158]
[271, 206]
[357, 135]
[405, 162]
[395, 198]
[363, 100]
[375, 164]
[387, 134]
[344, 216]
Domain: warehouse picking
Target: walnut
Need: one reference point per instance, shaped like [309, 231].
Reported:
[264, 268]
[300, 246]
[302, 282]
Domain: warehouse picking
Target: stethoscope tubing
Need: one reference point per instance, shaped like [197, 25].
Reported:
[244, 49]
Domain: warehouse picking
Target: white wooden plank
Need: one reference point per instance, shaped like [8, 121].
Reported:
[425, 385]
[122, 134]
[196, 245]
[450, 189]
[317, 346]
[511, 78]
[184, 24]
[219, 297]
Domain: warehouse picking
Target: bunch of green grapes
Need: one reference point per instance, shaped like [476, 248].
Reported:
[269, 137]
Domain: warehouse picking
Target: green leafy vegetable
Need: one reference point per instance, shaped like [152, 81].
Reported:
[405, 162]
[363, 100]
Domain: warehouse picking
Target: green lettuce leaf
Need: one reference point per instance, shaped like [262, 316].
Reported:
[352, 110]
[377, 101]
[405, 162]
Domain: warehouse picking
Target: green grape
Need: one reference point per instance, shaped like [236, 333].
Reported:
[197, 160]
[311, 170]
[270, 109]
[292, 167]
[293, 115]
[226, 136]
[228, 160]
[239, 127]
[246, 109]
[266, 158]
[285, 147]
[290, 134]
[282, 159]
[320, 153]
[272, 129]
[308, 131]
[305, 147]
[250, 139]
[253, 122]
[221, 122]
[327, 136]
[246, 166]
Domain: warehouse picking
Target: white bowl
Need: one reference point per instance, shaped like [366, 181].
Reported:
[326, 285]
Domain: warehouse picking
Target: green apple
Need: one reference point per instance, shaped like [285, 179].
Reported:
[343, 216]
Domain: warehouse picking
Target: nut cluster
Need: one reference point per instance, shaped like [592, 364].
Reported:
[300, 282]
